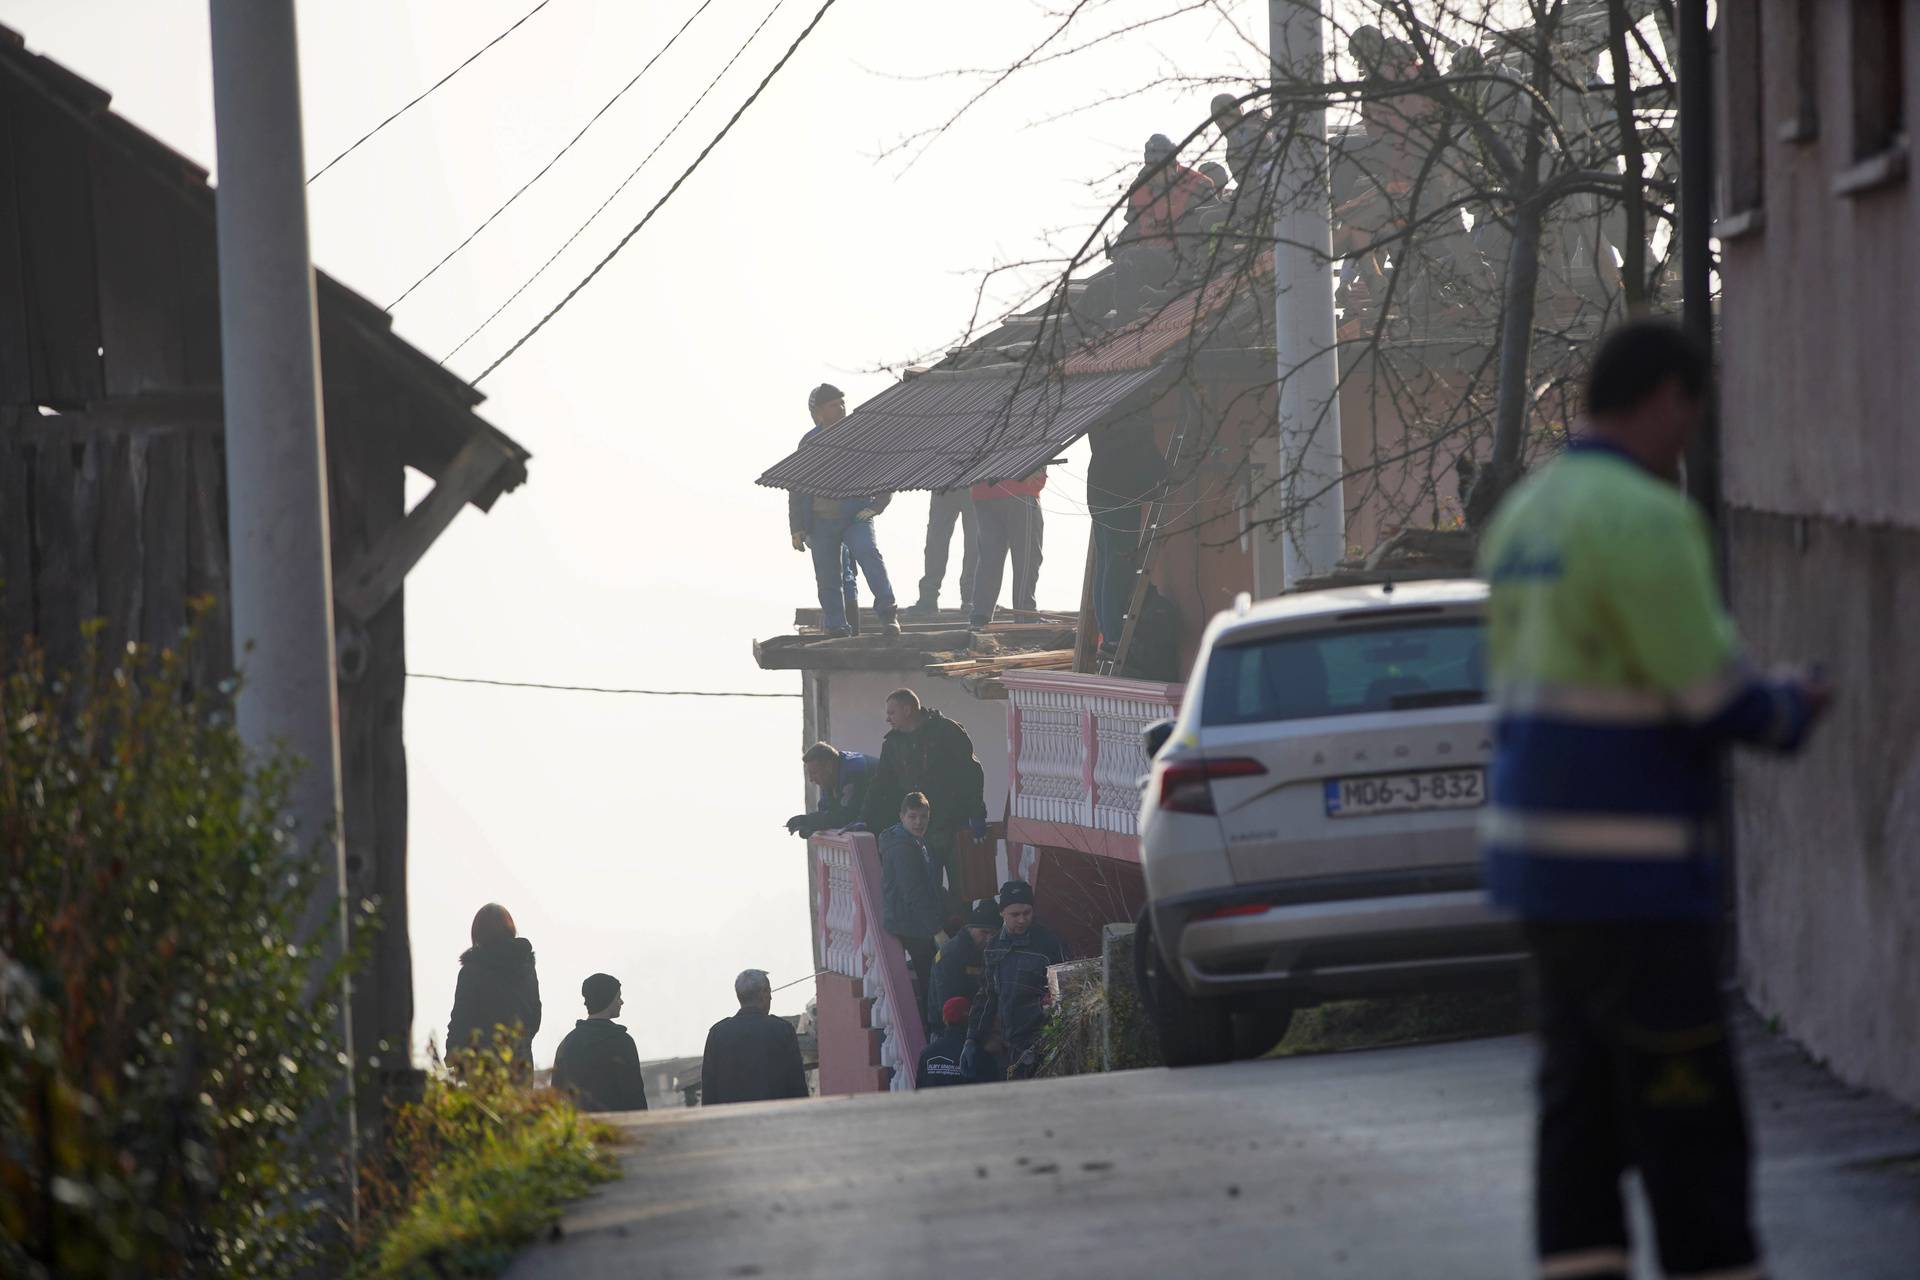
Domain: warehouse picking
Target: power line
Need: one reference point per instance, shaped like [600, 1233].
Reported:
[556, 158]
[706, 151]
[430, 88]
[624, 182]
[589, 688]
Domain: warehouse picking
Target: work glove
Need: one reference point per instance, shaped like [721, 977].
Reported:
[801, 824]
[970, 1060]
[799, 542]
[978, 826]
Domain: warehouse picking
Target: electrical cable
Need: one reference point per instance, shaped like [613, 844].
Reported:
[488, 221]
[589, 688]
[659, 204]
[595, 215]
[429, 89]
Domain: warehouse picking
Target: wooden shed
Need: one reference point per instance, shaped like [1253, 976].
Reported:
[112, 477]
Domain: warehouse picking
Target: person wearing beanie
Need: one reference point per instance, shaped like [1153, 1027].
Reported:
[1012, 1007]
[939, 1064]
[839, 533]
[957, 969]
[598, 1062]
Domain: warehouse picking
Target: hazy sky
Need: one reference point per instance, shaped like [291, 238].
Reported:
[643, 836]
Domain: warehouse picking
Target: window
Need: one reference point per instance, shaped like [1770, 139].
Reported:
[1397, 667]
[1879, 77]
[1803, 50]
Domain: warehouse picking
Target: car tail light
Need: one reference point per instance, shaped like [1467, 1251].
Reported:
[1185, 787]
[1238, 909]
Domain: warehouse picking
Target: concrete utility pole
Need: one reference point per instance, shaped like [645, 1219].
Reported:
[282, 577]
[1308, 464]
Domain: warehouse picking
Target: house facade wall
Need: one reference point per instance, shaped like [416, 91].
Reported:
[1821, 467]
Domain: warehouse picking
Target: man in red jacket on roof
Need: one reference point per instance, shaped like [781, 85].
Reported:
[1007, 513]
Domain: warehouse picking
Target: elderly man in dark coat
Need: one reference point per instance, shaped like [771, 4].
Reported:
[598, 1063]
[752, 1056]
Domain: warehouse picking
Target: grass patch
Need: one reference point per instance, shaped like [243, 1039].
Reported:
[475, 1170]
[1372, 1024]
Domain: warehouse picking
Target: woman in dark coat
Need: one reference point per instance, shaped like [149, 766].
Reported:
[497, 988]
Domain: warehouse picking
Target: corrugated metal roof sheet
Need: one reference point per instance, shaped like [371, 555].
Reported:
[1190, 320]
[942, 431]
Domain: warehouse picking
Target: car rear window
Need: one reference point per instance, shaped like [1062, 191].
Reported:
[1346, 672]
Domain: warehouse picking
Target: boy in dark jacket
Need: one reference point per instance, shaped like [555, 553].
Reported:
[598, 1062]
[926, 752]
[912, 889]
[958, 966]
[497, 989]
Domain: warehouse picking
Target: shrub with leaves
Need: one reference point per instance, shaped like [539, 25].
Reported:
[475, 1169]
[168, 1050]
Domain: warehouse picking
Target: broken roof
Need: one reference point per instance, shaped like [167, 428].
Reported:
[946, 430]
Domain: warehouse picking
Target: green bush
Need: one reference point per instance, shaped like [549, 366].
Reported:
[166, 1069]
[475, 1169]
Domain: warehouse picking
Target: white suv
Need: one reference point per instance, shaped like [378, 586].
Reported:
[1308, 830]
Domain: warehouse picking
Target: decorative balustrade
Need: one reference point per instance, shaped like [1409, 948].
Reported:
[1076, 757]
[849, 940]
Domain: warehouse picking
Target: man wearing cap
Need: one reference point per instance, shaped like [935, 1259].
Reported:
[1012, 1007]
[939, 1064]
[957, 969]
[597, 1063]
[752, 1056]
[839, 532]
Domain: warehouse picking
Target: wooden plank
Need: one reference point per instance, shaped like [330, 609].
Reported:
[16, 539]
[207, 563]
[118, 550]
[56, 585]
[139, 274]
[367, 584]
[1086, 638]
[16, 379]
[56, 250]
[164, 536]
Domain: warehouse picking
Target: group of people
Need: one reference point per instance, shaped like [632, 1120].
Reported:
[999, 520]
[749, 1057]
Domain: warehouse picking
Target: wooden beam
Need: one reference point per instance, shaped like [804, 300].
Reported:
[364, 587]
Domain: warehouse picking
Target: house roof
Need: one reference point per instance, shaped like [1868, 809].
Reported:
[1191, 320]
[109, 288]
[944, 430]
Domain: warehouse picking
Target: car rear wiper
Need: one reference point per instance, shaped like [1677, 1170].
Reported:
[1436, 698]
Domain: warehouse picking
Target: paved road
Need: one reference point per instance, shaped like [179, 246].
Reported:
[1387, 1163]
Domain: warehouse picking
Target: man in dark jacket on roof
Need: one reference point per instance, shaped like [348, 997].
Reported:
[926, 752]
[839, 532]
[598, 1062]
[1012, 1007]
[752, 1056]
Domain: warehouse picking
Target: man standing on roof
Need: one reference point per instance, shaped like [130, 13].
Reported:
[943, 510]
[1008, 512]
[839, 532]
[1618, 685]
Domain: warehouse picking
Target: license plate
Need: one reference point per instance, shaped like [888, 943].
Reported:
[1406, 792]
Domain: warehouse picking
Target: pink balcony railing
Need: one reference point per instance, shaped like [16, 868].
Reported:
[849, 942]
[1075, 758]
